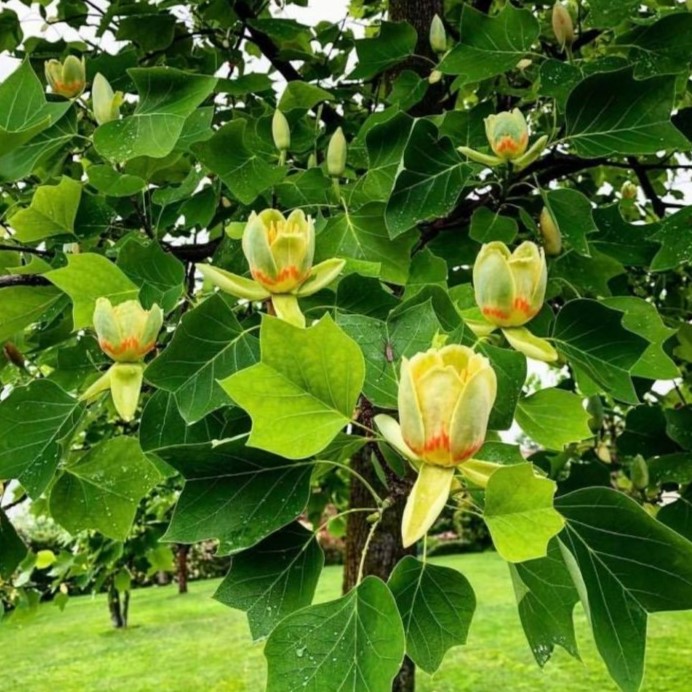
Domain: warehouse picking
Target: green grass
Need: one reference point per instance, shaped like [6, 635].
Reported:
[189, 643]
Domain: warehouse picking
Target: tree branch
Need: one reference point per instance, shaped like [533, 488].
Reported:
[657, 204]
[23, 280]
[193, 253]
[271, 52]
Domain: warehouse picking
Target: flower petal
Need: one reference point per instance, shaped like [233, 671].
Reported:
[287, 309]
[391, 431]
[321, 275]
[126, 385]
[427, 499]
[236, 285]
[530, 345]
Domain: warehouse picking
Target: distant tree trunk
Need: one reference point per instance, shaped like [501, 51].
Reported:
[118, 608]
[181, 558]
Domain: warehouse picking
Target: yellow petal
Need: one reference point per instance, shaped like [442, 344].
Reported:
[412, 428]
[126, 385]
[236, 285]
[287, 309]
[391, 431]
[530, 345]
[427, 499]
[478, 471]
[321, 275]
[493, 284]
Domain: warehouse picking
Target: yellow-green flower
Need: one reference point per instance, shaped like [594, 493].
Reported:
[563, 26]
[68, 78]
[510, 286]
[508, 134]
[280, 253]
[126, 332]
[445, 398]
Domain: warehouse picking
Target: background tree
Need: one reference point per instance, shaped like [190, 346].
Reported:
[133, 177]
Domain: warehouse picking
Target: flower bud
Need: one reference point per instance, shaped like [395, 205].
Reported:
[336, 154]
[629, 190]
[508, 134]
[281, 131]
[639, 473]
[105, 103]
[434, 77]
[279, 250]
[66, 79]
[510, 287]
[438, 35]
[563, 26]
[552, 238]
[312, 160]
[445, 399]
[126, 332]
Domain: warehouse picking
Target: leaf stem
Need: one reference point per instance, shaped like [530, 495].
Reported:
[366, 547]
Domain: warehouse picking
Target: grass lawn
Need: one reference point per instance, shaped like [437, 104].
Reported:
[189, 643]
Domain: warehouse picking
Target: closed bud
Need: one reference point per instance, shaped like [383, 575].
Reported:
[312, 160]
[68, 78]
[639, 473]
[279, 250]
[563, 26]
[523, 64]
[552, 238]
[508, 134]
[336, 154]
[434, 77]
[281, 131]
[438, 35]
[126, 332]
[105, 102]
[445, 399]
[629, 190]
[510, 286]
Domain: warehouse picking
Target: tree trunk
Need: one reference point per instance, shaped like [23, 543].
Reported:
[114, 607]
[181, 558]
[385, 549]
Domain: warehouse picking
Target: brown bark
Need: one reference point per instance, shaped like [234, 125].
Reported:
[385, 549]
[181, 559]
[115, 607]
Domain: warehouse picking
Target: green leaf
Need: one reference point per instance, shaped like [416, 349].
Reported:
[645, 433]
[594, 340]
[304, 389]
[385, 143]
[52, 211]
[208, 345]
[11, 33]
[545, 598]
[675, 240]
[519, 512]
[572, 213]
[89, 276]
[362, 235]
[32, 445]
[24, 111]
[553, 418]
[234, 494]
[429, 182]
[606, 13]
[679, 425]
[244, 173]
[510, 368]
[630, 565]
[410, 330]
[395, 42]
[167, 97]
[661, 47]
[612, 113]
[13, 550]
[628, 243]
[587, 275]
[487, 226]
[642, 318]
[275, 578]
[113, 183]
[102, 488]
[137, 28]
[160, 274]
[355, 642]
[21, 306]
[678, 516]
[302, 96]
[436, 605]
[21, 162]
[490, 45]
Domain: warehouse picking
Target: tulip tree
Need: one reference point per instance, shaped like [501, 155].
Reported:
[339, 240]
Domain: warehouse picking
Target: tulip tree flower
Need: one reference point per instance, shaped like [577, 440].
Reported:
[445, 398]
[105, 102]
[508, 136]
[510, 290]
[67, 78]
[126, 333]
[563, 26]
[552, 238]
[280, 252]
[281, 134]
